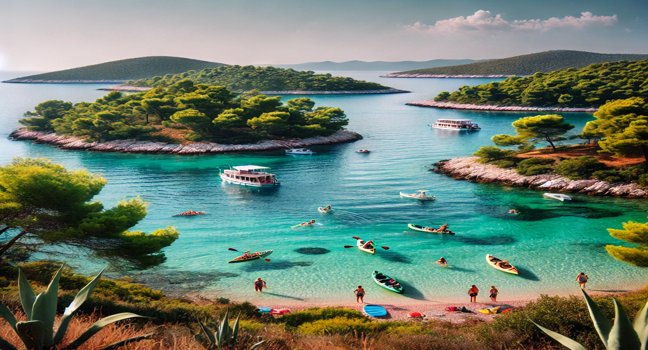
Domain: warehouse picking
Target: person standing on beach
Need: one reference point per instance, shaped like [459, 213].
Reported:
[259, 284]
[492, 293]
[359, 292]
[582, 279]
[473, 292]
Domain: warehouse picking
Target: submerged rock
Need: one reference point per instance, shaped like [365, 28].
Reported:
[312, 251]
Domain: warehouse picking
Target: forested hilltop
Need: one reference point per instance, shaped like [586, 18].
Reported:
[185, 111]
[120, 70]
[591, 86]
[245, 78]
[528, 64]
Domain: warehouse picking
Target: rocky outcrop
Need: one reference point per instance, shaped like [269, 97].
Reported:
[134, 146]
[475, 107]
[470, 169]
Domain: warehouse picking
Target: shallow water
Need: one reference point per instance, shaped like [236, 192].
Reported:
[549, 241]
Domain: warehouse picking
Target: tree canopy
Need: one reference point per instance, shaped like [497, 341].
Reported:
[547, 128]
[244, 78]
[634, 233]
[591, 86]
[185, 111]
[44, 203]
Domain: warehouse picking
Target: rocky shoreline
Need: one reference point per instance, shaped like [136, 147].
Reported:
[468, 168]
[127, 88]
[134, 146]
[444, 76]
[474, 107]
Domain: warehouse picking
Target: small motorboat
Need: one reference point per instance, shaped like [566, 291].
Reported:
[557, 196]
[325, 210]
[367, 247]
[387, 282]
[374, 310]
[420, 195]
[443, 229]
[300, 151]
[247, 256]
[363, 151]
[501, 265]
[191, 213]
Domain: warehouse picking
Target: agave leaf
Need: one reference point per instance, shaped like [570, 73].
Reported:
[641, 325]
[601, 322]
[8, 316]
[79, 299]
[6, 345]
[208, 334]
[26, 292]
[622, 335]
[45, 307]
[119, 344]
[235, 329]
[569, 343]
[97, 326]
[32, 333]
[223, 330]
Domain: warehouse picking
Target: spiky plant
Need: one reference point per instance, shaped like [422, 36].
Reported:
[38, 331]
[225, 336]
[622, 335]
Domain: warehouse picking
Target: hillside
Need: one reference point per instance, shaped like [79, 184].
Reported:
[120, 71]
[590, 86]
[268, 79]
[374, 65]
[528, 64]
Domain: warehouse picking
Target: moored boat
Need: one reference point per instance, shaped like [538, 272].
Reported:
[367, 247]
[363, 151]
[374, 310]
[501, 265]
[387, 282]
[299, 151]
[456, 124]
[191, 213]
[249, 175]
[251, 256]
[325, 210]
[420, 195]
[427, 229]
[557, 196]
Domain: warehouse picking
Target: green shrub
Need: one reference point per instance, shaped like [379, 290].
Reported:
[535, 166]
[298, 318]
[341, 325]
[579, 168]
[503, 163]
[643, 180]
[487, 154]
[610, 176]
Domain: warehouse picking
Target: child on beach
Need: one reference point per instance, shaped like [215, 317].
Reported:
[582, 279]
[259, 284]
[359, 292]
[473, 292]
[493, 294]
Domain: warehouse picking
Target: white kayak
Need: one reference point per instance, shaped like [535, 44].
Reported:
[299, 151]
[557, 196]
[324, 210]
[371, 249]
[420, 195]
[501, 265]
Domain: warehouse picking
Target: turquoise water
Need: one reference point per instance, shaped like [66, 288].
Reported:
[550, 241]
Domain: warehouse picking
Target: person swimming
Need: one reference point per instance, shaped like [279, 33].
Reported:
[442, 261]
[307, 223]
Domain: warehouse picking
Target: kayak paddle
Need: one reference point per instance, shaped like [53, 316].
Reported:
[385, 247]
[232, 249]
[355, 237]
[267, 260]
[348, 246]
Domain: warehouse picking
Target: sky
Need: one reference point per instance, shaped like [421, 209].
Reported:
[43, 35]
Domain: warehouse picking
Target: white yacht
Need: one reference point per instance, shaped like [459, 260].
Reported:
[249, 175]
[456, 124]
[300, 151]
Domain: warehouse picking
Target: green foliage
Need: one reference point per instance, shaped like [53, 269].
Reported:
[47, 203]
[496, 156]
[531, 130]
[201, 111]
[38, 332]
[636, 173]
[225, 336]
[621, 335]
[591, 86]
[535, 166]
[634, 233]
[44, 113]
[295, 319]
[341, 325]
[579, 168]
[244, 78]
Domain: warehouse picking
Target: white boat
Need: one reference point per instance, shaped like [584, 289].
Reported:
[249, 175]
[456, 124]
[501, 265]
[557, 196]
[420, 195]
[363, 151]
[371, 248]
[299, 151]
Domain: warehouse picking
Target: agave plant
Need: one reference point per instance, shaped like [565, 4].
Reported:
[225, 337]
[38, 331]
[622, 335]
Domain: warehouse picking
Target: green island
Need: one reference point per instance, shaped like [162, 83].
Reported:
[186, 112]
[244, 78]
[590, 86]
[523, 65]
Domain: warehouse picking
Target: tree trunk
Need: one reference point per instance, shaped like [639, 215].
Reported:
[12, 241]
[551, 143]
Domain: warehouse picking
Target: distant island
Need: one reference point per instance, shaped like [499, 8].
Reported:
[268, 79]
[185, 118]
[120, 71]
[389, 66]
[519, 65]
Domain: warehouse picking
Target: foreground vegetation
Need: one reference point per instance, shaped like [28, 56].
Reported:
[591, 86]
[244, 78]
[185, 111]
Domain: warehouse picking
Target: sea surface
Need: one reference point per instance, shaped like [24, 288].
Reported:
[550, 242]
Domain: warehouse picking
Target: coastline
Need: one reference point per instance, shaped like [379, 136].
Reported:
[468, 168]
[193, 148]
[446, 76]
[127, 88]
[474, 107]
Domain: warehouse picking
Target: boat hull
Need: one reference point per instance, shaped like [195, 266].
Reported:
[389, 288]
[513, 270]
[253, 256]
[557, 196]
[414, 196]
[360, 243]
[231, 181]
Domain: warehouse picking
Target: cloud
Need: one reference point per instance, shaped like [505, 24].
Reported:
[483, 21]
